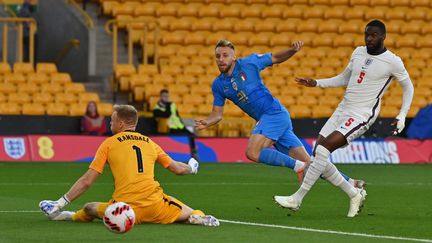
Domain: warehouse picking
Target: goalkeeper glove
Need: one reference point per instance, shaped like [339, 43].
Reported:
[194, 165]
[53, 207]
[399, 123]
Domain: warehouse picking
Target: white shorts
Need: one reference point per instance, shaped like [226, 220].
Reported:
[350, 124]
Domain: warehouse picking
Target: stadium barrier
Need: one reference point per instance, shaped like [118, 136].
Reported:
[68, 148]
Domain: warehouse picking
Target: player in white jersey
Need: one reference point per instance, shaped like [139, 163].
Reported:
[367, 77]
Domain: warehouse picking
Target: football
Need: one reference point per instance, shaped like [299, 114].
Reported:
[119, 217]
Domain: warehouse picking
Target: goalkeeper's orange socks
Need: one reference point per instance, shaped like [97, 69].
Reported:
[81, 216]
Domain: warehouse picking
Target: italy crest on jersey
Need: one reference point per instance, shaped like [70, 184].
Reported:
[14, 147]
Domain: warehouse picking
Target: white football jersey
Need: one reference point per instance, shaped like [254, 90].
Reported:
[367, 79]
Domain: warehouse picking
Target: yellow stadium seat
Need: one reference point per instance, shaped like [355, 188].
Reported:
[24, 68]
[43, 98]
[182, 24]
[28, 88]
[163, 79]
[201, 25]
[271, 12]
[334, 13]
[89, 96]
[7, 88]
[138, 93]
[10, 109]
[329, 27]
[153, 90]
[61, 78]
[244, 26]
[314, 12]
[46, 68]
[419, 101]
[167, 51]
[51, 88]
[287, 100]
[300, 111]
[321, 111]
[395, 14]
[313, 92]
[195, 39]
[179, 61]
[33, 109]
[330, 101]
[240, 39]
[413, 111]
[413, 27]
[167, 10]
[139, 80]
[230, 128]
[123, 9]
[14, 78]
[406, 41]
[208, 11]
[324, 40]
[426, 29]
[293, 90]
[5, 68]
[148, 69]
[123, 70]
[185, 79]
[424, 41]
[416, 14]
[252, 11]
[204, 109]
[355, 13]
[262, 39]
[293, 13]
[188, 10]
[400, 3]
[3, 98]
[420, 3]
[145, 10]
[173, 38]
[307, 26]
[77, 109]
[389, 111]
[171, 69]
[38, 78]
[186, 110]
[336, 92]
[193, 99]
[194, 70]
[232, 110]
[19, 98]
[105, 109]
[66, 98]
[107, 6]
[200, 90]
[57, 109]
[75, 88]
[307, 100]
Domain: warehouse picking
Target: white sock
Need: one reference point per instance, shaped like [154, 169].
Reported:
[332, 175]
[316, 168]
[298, 165]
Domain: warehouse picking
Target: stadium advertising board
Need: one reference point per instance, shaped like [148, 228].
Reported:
[58, 148]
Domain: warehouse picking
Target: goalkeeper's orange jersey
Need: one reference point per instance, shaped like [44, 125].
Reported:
[132, 158]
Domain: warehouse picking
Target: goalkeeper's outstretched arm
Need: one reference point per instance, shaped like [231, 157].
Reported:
[180, 168]
[214, 117]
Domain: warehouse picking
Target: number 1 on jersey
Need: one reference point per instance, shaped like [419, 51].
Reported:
[139, 159]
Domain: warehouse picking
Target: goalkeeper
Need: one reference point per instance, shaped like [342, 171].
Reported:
[131, 157]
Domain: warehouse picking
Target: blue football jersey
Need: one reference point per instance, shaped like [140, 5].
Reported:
[245, 87]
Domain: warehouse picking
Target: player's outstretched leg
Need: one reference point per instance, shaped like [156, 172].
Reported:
[356, 203]
[276, 158]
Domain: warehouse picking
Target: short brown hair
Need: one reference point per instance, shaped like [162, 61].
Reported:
[127, 113]
[225, 43]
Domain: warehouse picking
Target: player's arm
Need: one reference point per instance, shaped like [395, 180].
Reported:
[408, 93]
[214, 117]
[80, 186]
[282, 56]
[337, 81]
[180, 168]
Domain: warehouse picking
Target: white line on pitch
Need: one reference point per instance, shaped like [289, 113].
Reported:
[20, 211]
[205, 183]
[325, 231]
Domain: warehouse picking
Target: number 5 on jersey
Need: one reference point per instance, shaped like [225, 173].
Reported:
[361, 77]
[139, 159]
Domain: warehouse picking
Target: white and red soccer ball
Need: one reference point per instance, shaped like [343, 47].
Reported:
[119, 217]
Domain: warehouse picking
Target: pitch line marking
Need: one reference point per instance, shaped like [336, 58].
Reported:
[286, 227]
[206, 183]
[325, 231]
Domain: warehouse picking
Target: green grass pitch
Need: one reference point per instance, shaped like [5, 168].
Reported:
[399, 204]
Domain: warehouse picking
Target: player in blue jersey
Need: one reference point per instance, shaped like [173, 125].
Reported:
[240, 82]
